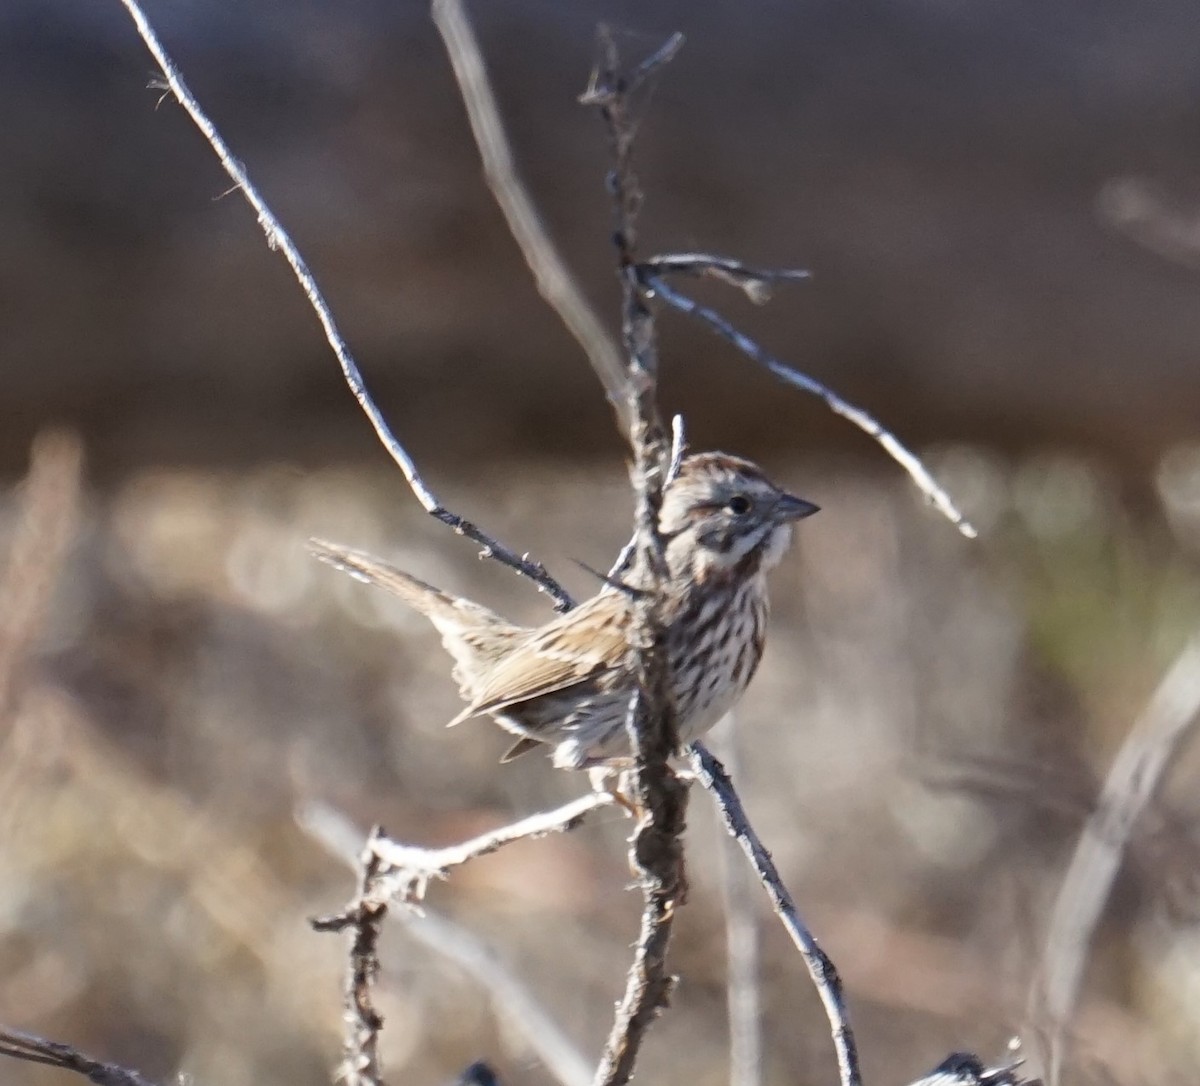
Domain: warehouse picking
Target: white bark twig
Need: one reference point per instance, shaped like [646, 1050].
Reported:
[1156, 737]
[405, 871]
[278, 238]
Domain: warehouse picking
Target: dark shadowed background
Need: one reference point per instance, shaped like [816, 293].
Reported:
[1000, 205]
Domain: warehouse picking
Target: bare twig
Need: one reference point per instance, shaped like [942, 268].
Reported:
[715, 780]
[1156, 736]
[43, 532]
[278, 238]
[656, 850]
[511, 999]
[403, 872]
[742, 979]
[755, 283]
[554, 280]
[33, 1049]
[892, 445]
[391, 872]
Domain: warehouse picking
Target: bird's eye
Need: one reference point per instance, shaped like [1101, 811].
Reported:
[738, 505]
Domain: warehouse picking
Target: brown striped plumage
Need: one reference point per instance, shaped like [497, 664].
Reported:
[567, 683]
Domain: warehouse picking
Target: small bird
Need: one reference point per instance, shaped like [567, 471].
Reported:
[567, 684]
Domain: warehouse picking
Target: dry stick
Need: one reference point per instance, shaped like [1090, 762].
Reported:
[656, 849]
[554, 281]
[1156, 736]
[511, 999]
[403, 872]
[278, 238]
[391, 872]
[755, 283]
[907, 459]
[33, 1049]
[713, 777]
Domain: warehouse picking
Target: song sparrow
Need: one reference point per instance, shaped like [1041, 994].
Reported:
[568, 683]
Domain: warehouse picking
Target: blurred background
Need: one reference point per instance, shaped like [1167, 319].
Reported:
[1001, 208]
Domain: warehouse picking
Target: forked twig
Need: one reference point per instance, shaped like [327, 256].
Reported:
[393, 873]
[1136, 773]
[711, 774]
[511, 998]
[557, 286]
[871, 426]
[278, 238]
[755, 283]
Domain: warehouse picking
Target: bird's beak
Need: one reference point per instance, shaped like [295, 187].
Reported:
[789, 507]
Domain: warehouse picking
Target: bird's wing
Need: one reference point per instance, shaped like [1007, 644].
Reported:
[571, 650]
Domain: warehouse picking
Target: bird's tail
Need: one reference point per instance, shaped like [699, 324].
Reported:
[472, 634]
[365, 567]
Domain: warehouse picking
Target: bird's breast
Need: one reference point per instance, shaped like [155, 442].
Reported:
[716, 643]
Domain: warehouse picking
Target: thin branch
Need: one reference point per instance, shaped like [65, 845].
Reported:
[755, 283]
[1137, 771]
[391, 872]
[511, 999]
[34, 1049]
[403, 872]
[554, 280]
[656, 849]
[278, 238]
[892, 445]
[715, 780]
